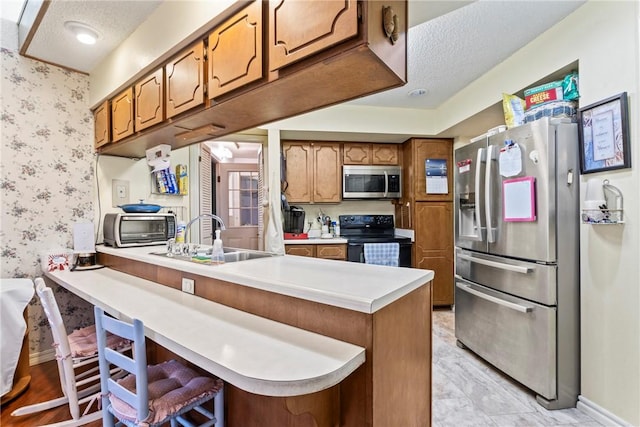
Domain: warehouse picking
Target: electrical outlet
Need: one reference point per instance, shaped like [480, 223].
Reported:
[119, 192]
[188, 285]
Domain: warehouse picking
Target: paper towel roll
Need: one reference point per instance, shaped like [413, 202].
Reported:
[594, 190]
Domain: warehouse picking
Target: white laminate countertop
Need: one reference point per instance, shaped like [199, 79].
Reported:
[255, 354]
[351, 285]
[319, 241]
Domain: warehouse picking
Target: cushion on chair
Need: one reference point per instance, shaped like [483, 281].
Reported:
[83, 342]
[172, 387]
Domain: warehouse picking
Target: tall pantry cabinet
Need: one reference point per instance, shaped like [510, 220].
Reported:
[428, 210]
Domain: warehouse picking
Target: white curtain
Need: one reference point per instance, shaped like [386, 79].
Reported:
[274, 240]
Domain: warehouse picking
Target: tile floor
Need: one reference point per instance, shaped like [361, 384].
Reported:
[469, 392]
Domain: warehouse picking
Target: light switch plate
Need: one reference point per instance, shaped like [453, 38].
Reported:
[119, 192]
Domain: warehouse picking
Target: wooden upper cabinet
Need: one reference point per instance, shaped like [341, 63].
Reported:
[184, 80]
[356, 153]
[235, 51]
[149, 100]
[122, 115]
[416, 152]
[327, 173]
[299, 177]
[361, 153]
[102, 125]
[384, 154]
[299, 28]
[314, 172]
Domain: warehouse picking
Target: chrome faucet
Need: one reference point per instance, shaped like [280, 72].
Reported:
[205, 215]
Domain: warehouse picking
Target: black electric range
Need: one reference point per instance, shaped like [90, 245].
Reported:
[361, 229]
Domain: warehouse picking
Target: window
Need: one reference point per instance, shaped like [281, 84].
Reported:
[243, 199]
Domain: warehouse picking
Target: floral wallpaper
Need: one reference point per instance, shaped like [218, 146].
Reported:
[47, 177]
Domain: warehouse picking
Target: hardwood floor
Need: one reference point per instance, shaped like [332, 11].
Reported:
[44, 386]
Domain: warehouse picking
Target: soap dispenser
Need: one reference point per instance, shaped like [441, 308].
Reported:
[217, 254]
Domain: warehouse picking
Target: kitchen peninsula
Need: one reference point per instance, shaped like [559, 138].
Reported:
[386, 311]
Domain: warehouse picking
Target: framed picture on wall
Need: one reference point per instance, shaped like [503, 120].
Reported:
[603, 130]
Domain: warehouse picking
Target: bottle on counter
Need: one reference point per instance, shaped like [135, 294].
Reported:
[180, 231]
[217, 254]
[178, 244]
[336, 229]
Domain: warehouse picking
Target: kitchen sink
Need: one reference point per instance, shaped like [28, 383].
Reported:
[230, 255]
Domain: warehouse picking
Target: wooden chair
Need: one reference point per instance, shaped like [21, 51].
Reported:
[155, 394]
[77, 358]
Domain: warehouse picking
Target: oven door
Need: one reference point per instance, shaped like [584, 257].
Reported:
[144, 229]
[355, 253]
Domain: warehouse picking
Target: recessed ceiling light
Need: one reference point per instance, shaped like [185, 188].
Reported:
[83, 32]
[417, 92]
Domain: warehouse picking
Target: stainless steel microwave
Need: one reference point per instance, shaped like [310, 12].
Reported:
[371, 182]
[138, 229]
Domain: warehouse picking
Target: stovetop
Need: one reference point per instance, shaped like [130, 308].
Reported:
[369, 228]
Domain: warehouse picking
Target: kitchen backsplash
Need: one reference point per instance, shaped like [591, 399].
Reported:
[47, 177]
[311, 211]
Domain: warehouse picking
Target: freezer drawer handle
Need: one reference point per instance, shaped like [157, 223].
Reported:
[516, 268]
[511, 305]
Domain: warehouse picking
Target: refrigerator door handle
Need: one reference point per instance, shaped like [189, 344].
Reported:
[495, 300]
[487, 193]
[479, 159]
[509, 267]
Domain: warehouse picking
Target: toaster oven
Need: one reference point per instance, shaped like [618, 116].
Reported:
[138, 229]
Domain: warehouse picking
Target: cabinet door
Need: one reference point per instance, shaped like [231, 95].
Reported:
[149, 96]
[335, 251]
[122, 115]
[301, 250]
[327, 173]
[102, 125]
[356, 153]
[299, 28]
[235, 51]
[433, 246]
[384, 154]
[424, 149]
[299, 158]
[184, 80]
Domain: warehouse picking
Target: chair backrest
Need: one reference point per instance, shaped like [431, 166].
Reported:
[136, 364]
[61, 344]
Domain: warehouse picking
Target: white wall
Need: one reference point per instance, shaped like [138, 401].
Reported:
[138, 173]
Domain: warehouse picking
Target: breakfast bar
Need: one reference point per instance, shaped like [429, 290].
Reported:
[299, 341]
[255, 354]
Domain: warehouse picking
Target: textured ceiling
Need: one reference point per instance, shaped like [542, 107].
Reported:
[448, 52]
[114, 21]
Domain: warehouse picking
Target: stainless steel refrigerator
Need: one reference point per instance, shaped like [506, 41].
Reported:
[517, 256]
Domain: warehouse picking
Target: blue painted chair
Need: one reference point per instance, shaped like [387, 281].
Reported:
[155, 394]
